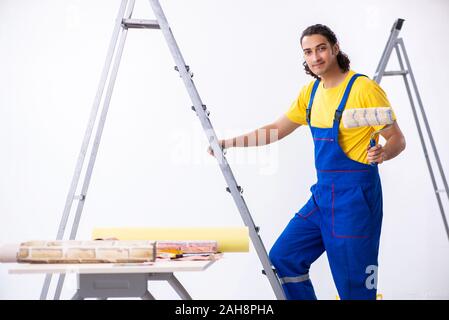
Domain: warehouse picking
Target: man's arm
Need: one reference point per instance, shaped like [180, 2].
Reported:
[270, 133]
[395, 144]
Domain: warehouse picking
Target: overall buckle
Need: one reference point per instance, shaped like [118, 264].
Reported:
[337, 116]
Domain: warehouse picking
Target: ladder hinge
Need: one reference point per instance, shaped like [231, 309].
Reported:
[239, 188]
[204, 108]
[188, 71]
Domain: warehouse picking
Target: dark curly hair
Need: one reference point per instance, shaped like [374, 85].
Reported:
[342, 58]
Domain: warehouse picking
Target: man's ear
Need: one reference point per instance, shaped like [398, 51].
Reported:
[336, 49]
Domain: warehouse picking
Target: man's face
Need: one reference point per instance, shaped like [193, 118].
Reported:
[319, 55]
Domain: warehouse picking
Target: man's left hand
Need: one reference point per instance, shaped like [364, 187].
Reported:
[376, 154]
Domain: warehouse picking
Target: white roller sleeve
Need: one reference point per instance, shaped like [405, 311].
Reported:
[362, 117]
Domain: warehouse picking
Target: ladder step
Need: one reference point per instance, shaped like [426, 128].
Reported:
[396, 73]
[140, 24]
[440, 191]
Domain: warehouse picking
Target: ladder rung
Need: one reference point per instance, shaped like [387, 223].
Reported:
[140, 23]
[396, 73]
[440, 191]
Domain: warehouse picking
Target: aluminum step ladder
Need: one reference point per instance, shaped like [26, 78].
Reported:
[407, 75]
[123, 23]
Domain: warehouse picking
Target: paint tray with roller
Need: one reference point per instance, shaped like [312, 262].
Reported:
[368, 117]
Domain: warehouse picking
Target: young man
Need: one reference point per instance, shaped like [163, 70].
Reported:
[344, 214]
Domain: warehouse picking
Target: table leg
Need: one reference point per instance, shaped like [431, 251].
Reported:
[147, 296]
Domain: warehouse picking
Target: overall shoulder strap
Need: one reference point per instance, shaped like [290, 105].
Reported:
[312, 96]
[342, 105]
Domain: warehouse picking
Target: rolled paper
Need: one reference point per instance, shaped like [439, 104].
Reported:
[74, 251]
[8, 252]
[229, 239]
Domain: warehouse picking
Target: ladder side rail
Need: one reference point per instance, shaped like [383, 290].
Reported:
[87, 137]
[97, 140]
[424, 116]
[421, 136]
[218, 152]
[380, 70]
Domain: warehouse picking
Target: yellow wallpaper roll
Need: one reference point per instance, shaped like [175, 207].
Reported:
[230, 239]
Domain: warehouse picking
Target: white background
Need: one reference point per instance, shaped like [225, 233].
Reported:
[152, 168]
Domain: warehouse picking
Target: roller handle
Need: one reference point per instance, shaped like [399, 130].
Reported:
[372, 143]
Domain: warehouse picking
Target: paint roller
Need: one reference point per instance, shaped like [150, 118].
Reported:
[362, 117]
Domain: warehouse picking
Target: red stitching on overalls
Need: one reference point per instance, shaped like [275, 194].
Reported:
[308, 214]
[343, 170]
[333, 223]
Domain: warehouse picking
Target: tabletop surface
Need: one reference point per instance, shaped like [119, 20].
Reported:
[159, 266]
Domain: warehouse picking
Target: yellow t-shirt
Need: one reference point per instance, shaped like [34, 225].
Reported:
[365, 93]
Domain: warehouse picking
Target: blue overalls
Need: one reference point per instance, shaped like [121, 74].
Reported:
[342, 217]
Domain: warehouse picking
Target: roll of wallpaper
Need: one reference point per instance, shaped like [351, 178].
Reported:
[105, 251]
[230, 239]
[75, 251]
[8, 252]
